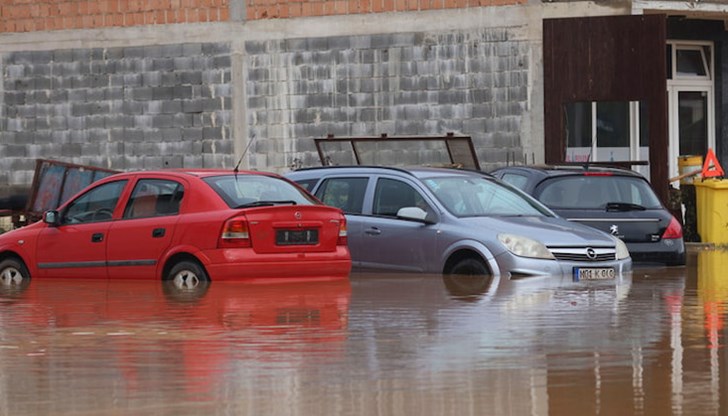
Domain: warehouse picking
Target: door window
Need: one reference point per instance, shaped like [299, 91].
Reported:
[392, 195]
[154, 197]
[344, 193]
[95, 205]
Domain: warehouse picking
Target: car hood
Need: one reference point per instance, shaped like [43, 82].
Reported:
[551, 231]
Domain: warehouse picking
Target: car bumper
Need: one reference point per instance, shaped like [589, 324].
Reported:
[670, 251]
[515, 267]
[236, 264]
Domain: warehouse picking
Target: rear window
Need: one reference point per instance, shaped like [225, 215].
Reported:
[592, 192]
[240, 190]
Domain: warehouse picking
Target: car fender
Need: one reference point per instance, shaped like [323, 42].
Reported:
[476, 246]
[182, 249]
[21, 242]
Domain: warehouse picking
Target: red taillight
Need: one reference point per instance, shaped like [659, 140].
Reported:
[597, 173]
[235, 233]
[674, 230]
[342, 240]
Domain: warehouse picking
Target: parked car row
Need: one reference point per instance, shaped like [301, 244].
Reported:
[192, 226]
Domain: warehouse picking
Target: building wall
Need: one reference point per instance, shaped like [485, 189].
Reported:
[203, 94]
[405, 84]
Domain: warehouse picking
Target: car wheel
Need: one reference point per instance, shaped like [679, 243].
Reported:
[470, 266]
[187, 275]
[13, 273]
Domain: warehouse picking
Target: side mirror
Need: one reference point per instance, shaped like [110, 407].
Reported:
[413, 213]
[52, 218]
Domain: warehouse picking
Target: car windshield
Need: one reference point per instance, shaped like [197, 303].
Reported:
[597, 192]
[476, 197]
[240, 191]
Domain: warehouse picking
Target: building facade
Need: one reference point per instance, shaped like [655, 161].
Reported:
[144, 84]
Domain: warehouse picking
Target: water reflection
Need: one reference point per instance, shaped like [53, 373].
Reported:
[651, 342]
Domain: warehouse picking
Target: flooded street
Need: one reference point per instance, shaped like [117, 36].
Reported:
[649, 343]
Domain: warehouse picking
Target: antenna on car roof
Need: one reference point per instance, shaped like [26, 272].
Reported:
[237, 165]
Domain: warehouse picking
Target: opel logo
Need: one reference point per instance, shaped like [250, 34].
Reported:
[297, 215]
[591, 254]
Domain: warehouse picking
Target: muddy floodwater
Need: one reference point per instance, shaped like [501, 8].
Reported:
[652, 342]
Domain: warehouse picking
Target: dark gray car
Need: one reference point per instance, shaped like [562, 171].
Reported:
[454, 221]
[618, 201]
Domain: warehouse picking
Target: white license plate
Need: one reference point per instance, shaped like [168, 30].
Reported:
[594, 273]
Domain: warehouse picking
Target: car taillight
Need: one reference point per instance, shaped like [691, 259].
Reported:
[597, 173]
[674, 230]
[342, 240]
[235, 233]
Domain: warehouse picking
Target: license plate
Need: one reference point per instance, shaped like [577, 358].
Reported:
[296, 237]
[594, 273]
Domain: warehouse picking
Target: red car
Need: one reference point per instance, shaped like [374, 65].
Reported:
[182, 225]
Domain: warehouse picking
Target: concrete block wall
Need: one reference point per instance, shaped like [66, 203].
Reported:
[471, 83]
[121, 108]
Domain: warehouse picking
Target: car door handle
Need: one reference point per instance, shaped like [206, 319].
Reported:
[97, 238]
[158, 232]
[373, 231]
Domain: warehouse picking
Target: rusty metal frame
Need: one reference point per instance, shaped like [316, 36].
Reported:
[448, 140]
[40, 165]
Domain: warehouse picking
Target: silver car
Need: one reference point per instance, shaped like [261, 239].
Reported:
[450, 221]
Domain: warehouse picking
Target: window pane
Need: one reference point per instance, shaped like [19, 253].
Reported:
[693, 107]
[690, 62]
[578, 124]
[344, 193]
[612, 131]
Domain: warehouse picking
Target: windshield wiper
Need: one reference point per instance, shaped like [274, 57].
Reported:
[624, 206]
[265, 204]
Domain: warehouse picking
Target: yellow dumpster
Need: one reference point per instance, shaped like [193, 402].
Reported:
[711, 197]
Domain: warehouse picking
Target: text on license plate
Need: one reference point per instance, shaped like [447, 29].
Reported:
[296, 237]
[594, 273]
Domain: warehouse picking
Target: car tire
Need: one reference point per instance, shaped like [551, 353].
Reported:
[13, 273]
[470, 266]
[187, 275]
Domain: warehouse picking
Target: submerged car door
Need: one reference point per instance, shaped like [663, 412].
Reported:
[137, 242]
[391, 243]
[76, 247]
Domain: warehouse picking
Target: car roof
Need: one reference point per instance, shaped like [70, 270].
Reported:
[420, 172]
[554, 170]
[201, 173]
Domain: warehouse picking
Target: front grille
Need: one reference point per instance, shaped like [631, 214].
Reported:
[580, 253]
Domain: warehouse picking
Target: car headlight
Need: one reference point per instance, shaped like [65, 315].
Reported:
[622, 251]
[525, 247]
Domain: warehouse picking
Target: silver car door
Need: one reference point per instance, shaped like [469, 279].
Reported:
[390, 243]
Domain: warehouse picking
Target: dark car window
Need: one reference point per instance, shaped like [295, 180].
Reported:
[344, 193]
[95, 205]
[519, 181]
[307, 184]
[154, 197]
[596, 191]
[391, 195]
[241, 190]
